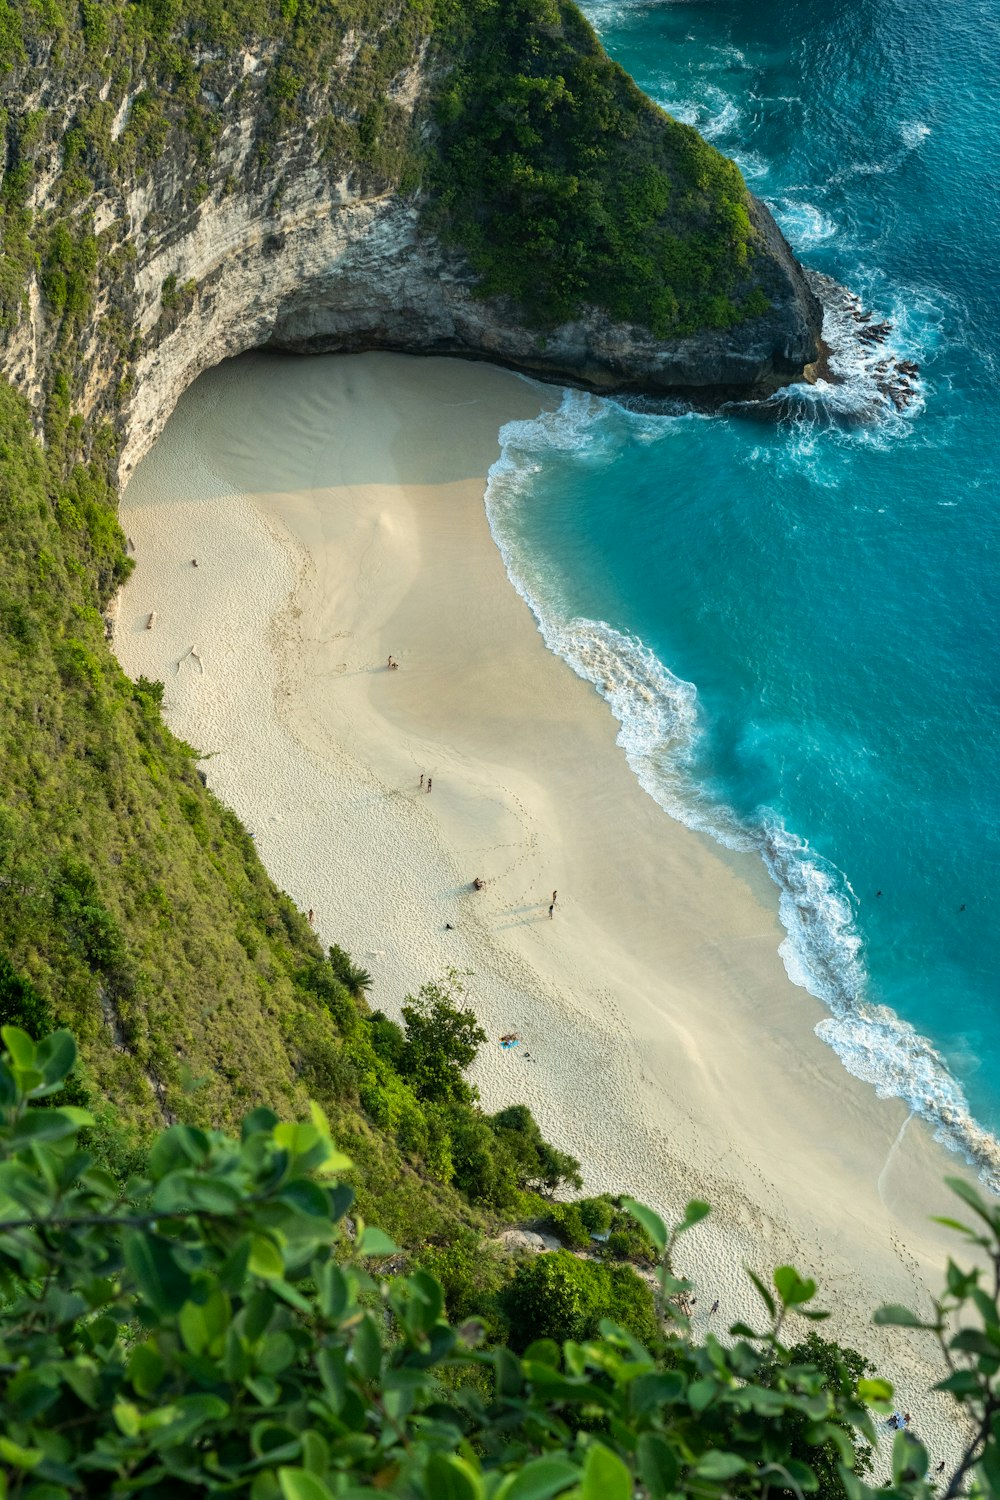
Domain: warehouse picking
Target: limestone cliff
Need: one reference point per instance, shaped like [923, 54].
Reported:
[274, 235]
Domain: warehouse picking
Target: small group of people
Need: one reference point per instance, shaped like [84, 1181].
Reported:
[392, 664]
[430, 782]
[899, 1420]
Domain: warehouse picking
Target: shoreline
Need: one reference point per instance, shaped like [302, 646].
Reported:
[669, 1050]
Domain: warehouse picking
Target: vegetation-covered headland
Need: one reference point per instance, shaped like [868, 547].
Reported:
[186, 181]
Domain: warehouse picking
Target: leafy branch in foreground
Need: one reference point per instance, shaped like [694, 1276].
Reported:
[217, 1326]
[971, 1353]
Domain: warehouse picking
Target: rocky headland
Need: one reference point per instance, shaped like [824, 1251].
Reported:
[158, 238]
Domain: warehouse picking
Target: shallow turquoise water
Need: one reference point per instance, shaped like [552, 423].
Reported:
[797, 623]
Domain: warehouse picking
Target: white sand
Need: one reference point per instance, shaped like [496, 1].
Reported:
[335, 509]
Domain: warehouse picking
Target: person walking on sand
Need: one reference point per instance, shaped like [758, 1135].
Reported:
[554, 895]
[421, 781]
[311, 919]
[552, 907]
[430, 782]
[715, 1306]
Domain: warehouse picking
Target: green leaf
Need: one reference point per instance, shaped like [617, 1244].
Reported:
[991, 1464]
[651, 1223]
[543, 1352]
[299, 1484]
[452, 1478]
[962, 1383]
[159, 1278]
[955, 1224]
[539, 1480]
[892, 1315]
[793, 1289]
[876, 1392]
[719, 1465]
[128, 1417]
[366, 1348]
[56, 1056]
[971, 1341]
[959, 1187]
[266, 1259]
[19, 1045]
[658, 1466]
[11, 1452]
[145, 1368]
[315, 1451]
[765, 1295]
[696, 1210]
[334, 1292]
[276, 1353]
[193, 1327]
[372, 1241]
[49, 1125]
[802, 1475]
[179, 1147]
[605, 1477]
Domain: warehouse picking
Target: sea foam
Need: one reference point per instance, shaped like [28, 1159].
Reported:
[661, 730]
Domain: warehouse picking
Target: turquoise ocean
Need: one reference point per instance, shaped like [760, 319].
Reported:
[796, 621]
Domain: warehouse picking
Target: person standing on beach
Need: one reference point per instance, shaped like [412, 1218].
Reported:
[421, 781]
[552, 907]
[430, 783]
[554, 895]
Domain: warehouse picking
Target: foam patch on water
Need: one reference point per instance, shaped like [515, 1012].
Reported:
[803, 224]
[661, 730]
[914, 133]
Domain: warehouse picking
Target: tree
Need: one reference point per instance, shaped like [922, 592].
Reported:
[442, 1039]
[356, 981]
[540, 1166]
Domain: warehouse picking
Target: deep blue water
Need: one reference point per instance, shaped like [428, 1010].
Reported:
[797, 623]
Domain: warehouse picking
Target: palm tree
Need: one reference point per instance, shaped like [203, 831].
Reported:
[354, 979]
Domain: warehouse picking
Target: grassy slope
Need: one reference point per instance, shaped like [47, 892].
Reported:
[130, 898]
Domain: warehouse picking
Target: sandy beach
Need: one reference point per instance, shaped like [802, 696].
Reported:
[335, 508]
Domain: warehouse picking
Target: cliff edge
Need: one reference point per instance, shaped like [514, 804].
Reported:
[174, 195]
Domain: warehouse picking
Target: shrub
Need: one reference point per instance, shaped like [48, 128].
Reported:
[557, 1295]
[566, 1222]
[210, 1329]
[538, 1165]
[567, 188]
[20, 1003]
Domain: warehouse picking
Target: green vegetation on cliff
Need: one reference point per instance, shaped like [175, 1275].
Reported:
[567, 187]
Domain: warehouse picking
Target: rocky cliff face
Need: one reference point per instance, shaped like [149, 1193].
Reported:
[200, 260]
